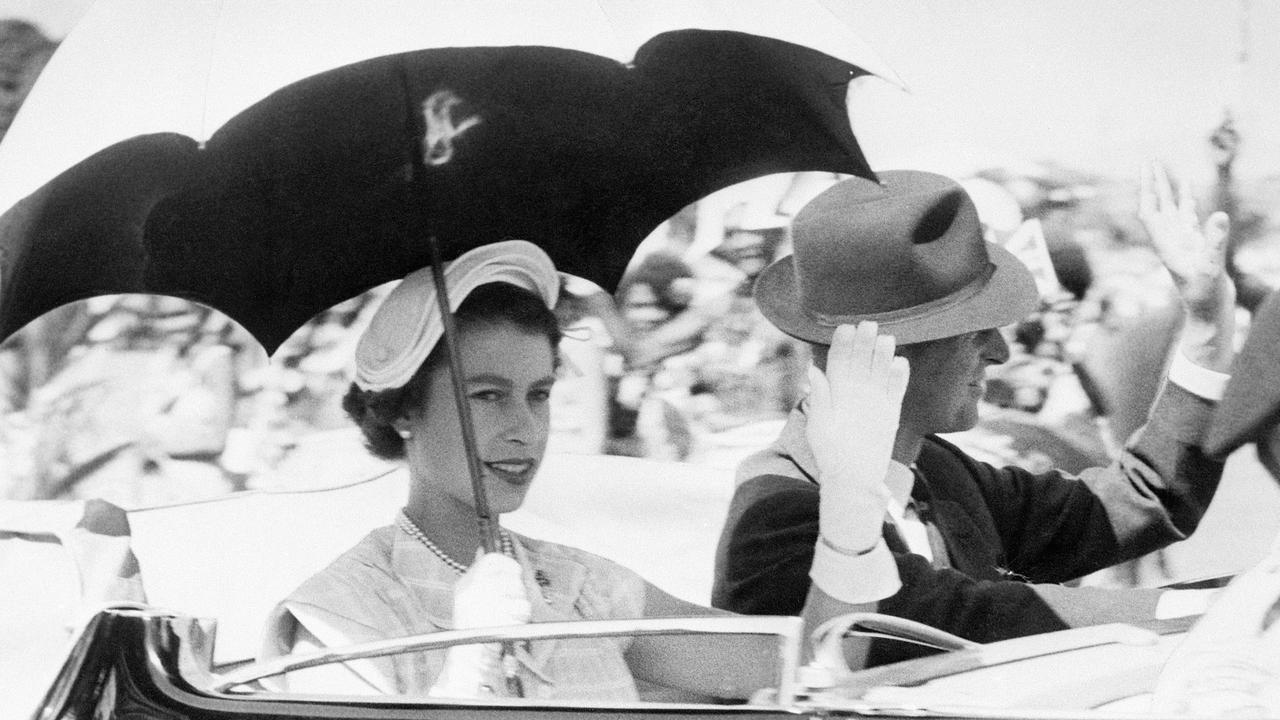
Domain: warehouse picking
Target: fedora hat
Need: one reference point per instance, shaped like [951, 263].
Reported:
[906, 252]
[1250, 408]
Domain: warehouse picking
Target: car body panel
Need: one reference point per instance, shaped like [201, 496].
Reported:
[142, 663]
[228, 560]
[139, 664]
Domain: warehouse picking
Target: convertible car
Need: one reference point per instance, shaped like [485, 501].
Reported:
[173, 599]
[281, 167]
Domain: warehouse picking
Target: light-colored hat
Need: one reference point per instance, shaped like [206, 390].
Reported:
[906, 252]
[408, 324]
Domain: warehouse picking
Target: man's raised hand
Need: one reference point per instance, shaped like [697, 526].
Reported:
[853, 414]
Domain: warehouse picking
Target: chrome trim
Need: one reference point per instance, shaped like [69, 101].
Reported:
[788, 629]
[1030, 646]
[58, 697]
[870, 624]
[927, 669]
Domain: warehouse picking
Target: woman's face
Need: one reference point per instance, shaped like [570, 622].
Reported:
[509, 374]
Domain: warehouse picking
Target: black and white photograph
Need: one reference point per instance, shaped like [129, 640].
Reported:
[641, 359]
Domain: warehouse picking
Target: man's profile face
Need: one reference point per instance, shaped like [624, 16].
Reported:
[948, 378]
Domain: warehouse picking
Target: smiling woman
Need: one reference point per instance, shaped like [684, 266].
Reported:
[510, 338]
[509, 379]
[424, 572]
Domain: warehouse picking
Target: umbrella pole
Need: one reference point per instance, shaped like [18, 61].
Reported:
[484, 517]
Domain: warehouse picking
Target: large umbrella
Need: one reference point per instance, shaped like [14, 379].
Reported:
[258, 157]
[198, 175]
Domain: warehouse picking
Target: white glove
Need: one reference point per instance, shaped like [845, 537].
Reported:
[489, 594]
[852, 422]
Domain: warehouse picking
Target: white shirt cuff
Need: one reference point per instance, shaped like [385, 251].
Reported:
[1196, 379]
[854, 579]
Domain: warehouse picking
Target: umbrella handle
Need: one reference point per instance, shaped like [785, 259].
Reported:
[488, 528]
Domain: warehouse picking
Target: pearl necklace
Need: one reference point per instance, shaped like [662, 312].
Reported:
[415, 532]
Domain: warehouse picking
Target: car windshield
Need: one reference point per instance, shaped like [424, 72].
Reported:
[157, 459]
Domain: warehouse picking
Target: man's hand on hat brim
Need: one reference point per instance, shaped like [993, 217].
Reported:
[853, 414]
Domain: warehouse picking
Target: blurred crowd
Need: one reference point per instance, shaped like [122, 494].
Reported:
[146, 400]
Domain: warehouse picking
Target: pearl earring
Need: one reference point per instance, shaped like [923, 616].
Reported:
[404, 434]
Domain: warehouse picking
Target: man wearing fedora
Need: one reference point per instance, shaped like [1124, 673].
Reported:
[979, 551]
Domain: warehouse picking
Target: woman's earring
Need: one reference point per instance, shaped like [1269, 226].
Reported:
[404, 434]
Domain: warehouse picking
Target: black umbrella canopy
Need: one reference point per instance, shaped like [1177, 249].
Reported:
[334, 184]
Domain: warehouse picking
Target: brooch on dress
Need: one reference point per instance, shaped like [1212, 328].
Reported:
[1007, 574]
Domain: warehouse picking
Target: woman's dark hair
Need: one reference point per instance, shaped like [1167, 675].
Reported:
[375, 411]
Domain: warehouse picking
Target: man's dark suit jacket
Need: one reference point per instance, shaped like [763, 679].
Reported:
[1011, 535]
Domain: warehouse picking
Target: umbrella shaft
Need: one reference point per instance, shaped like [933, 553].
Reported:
[488, 529]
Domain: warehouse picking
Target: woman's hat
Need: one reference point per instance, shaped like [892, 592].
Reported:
[907, 252]
[408, 323]
[1250, 409]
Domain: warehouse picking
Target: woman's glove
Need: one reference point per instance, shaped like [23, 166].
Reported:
[490, 594]
[852, 423]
